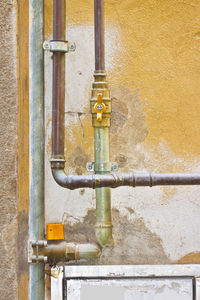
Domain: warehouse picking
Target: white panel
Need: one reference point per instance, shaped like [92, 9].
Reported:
[56, 283]
[129, 289]
[197, 282]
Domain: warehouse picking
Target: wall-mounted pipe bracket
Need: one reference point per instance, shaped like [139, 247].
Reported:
[101, 167]
[34, 248]
[59, 46]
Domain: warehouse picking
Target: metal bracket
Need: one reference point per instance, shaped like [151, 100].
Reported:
[59, 46]
[33, 251]
[114, 167]
[103, 167]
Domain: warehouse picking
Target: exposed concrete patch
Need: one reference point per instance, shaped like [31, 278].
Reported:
[128, 128]
[81, 232]
[134, 242]
[78, 160]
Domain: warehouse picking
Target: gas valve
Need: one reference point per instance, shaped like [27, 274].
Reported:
[99, 107]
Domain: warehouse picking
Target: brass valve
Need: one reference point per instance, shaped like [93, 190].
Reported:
[99, 107]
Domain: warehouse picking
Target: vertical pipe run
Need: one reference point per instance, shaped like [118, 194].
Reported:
[36, 96]
[103, 195]
[99, 36]
[58, 105]
[101, 133]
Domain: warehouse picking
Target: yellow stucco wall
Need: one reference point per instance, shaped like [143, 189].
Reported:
[158, 55]
[153, 63]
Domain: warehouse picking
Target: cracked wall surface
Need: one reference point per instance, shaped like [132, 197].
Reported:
[8, 152]
[152, 62]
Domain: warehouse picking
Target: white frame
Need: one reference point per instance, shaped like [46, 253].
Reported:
[191, 271]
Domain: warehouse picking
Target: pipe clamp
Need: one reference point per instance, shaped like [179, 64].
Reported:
[59, 46]
[33, 251]
[101, 167]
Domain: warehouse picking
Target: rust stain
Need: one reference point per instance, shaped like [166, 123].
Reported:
[190, 258]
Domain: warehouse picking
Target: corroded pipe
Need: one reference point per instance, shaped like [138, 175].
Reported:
[115, 180]
[58, 101]
[63, 251]
[99, 35]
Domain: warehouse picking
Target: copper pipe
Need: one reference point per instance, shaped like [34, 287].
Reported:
[99, 36]
[58, 105]
[61, 251]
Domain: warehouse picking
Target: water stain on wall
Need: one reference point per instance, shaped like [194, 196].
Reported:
[134, 242]
[128, 126]
[78, 160]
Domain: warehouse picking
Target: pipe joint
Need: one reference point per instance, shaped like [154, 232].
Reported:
[54, 252]
[57, 163]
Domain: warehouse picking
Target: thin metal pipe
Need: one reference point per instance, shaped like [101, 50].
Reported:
[36, 96]
[63, 251]
[99, 36]
[103, 195]
[115, 180]
[58, 103]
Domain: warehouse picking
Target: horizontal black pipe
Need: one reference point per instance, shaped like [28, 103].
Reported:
[114, 180]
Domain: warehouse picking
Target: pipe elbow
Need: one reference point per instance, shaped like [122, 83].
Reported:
[61, 178]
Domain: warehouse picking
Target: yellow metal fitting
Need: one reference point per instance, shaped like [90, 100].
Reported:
[99, 107]
[55, 232]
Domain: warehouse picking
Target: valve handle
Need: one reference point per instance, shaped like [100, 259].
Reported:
[99, 107]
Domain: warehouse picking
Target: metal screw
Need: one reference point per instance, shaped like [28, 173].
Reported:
[114, 166]
[72, 47]
[46, 45]
[90, 166]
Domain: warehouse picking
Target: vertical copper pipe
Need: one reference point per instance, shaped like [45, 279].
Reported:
[58, 103]
[99, 35]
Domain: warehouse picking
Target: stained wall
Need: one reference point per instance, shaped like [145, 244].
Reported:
[152, 62]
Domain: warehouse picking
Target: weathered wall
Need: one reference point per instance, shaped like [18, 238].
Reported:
[8, 152]
[152, 60]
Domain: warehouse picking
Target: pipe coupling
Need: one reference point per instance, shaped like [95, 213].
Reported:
[57, 163]
[103, 225]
